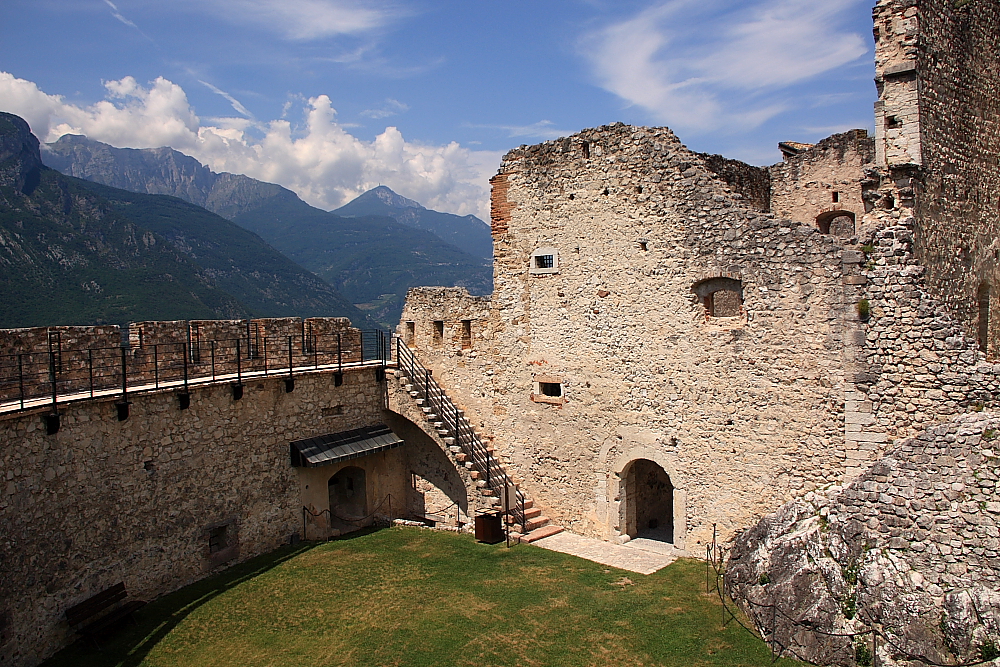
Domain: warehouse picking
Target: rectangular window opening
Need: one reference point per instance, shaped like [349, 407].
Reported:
[218, 539]
[553, 389]
[411, 332]
[893, 122]
[836, 197]
[545, 261]
[466, 334]
[438, 331]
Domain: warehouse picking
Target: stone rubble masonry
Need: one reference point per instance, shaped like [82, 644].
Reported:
[104, 501]
[743, 413]
[912, 543]
[840, 349]
[938, 70]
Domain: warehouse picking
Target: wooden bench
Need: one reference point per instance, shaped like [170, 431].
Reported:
[101, 612]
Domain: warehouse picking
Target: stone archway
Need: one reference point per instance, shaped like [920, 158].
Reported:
[648, 502]
[348, 498]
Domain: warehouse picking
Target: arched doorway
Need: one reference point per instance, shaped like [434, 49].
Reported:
[648, 503]
[837, 223]
[348, 498]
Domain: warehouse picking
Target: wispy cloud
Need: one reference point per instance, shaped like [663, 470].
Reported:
[240, 109]
[305, 20]
[391, 107]
[118, 15]
[543, 129]
[704, 65]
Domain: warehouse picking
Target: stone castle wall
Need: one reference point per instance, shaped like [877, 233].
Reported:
[938, 73]
[741, 411]
[824, 182]
[104, 501]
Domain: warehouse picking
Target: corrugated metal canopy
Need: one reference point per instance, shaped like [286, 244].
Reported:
[334, 447]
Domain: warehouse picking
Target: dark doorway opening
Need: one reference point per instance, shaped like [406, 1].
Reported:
[348, 498]
[649, 502]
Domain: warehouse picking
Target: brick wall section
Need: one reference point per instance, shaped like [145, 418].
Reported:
[104, 501]
[500, 207]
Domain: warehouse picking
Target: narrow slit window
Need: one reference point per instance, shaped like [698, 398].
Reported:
[836, 197]
[466, 334]
[438, 331]
[411, 331]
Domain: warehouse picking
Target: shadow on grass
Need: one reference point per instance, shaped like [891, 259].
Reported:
[129, 644]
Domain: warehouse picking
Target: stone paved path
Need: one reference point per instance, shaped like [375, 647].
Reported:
[634, 556]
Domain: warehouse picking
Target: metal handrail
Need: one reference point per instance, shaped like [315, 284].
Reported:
[495, 476]
[33, 379]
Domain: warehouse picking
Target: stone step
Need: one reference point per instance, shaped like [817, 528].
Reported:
[415, 394]
[476, 474]
[532, 513]
[468, 465]
[528, 503]
[407, 387]
[451, 441]
[537, 522]
[490, 493]
[537, 534]
[461, 457]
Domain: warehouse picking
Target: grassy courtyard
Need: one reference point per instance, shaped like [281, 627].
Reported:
[406, 596]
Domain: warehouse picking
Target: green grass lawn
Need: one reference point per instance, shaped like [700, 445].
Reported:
[405, 596]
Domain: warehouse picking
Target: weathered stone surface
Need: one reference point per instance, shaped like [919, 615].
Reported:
[910, 547]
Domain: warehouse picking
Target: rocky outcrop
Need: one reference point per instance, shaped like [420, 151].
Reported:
[20, 164]
[910, 548]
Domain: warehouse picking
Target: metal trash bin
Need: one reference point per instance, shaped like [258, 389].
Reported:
[489, 527]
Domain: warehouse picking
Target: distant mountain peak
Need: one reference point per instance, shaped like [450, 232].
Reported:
[389, 198]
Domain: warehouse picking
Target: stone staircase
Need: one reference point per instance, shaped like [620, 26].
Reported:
[525, 521]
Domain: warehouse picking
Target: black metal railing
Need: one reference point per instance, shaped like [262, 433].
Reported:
[60, 373]
[465, 435]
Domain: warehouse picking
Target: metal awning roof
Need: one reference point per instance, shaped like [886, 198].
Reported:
[334, 447]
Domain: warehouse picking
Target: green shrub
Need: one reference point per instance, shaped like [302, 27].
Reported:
[862, 654]
[764, 579]
[864, 309]
[988, 650]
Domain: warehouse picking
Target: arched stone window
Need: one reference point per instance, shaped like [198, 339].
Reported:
[722, 297]
[544, 261]
[983, 297]
[837, 223]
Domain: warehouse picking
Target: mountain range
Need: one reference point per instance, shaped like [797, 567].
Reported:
[372, 250]
[74, 252]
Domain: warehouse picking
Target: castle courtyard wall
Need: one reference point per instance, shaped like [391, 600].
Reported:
[104, 501]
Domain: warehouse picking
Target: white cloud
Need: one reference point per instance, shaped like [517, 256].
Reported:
[304, 20]
[700, 65]
[320, 161]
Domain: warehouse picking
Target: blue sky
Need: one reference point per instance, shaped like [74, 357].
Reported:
[332, 97]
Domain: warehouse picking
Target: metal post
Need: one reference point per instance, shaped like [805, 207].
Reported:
[289, 356]
[124, 378]
[315, 341]
[52, 375]
[340, 357]
[239, 365]
[186, 368]
[90, 369]
[213, 360]
[20, 376]
[361, 335]
[265, 356]
[156, 365]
